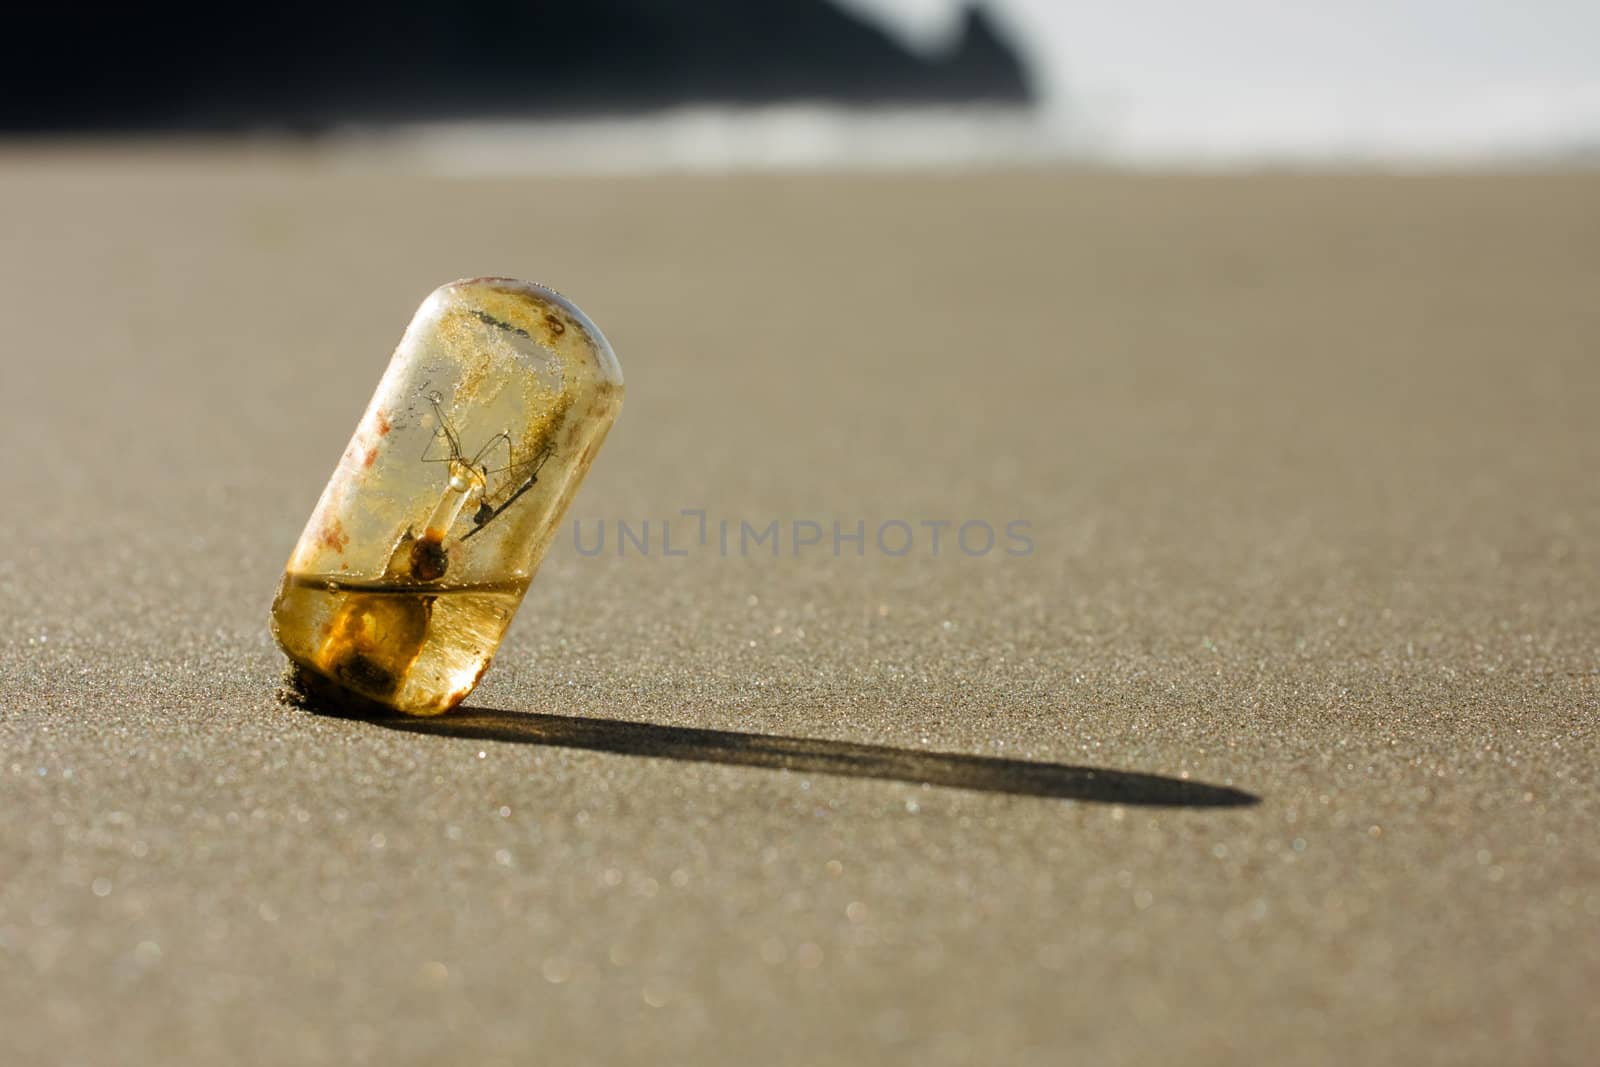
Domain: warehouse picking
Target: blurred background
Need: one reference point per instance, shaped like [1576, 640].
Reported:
[631, 85]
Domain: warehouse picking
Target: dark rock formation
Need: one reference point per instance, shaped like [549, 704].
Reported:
[309, 66]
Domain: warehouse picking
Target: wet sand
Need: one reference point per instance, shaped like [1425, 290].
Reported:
[1278, 746]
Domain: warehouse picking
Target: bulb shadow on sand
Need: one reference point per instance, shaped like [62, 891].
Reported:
[815, 756]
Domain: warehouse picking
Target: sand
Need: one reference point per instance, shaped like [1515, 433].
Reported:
[1307, 641]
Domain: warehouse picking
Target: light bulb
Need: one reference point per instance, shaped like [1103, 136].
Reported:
[441, 508]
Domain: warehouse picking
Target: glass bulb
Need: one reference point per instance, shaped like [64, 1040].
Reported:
[435, 520]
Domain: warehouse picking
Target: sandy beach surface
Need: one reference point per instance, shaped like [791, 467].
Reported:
[1304, 657]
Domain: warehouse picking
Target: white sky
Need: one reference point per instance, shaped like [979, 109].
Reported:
[1182, 79]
